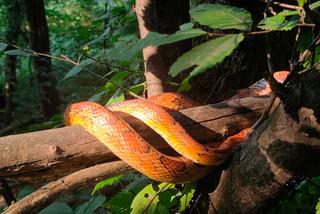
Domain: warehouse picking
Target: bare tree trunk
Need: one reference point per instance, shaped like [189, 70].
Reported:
[162, 16]
[39, 42]
[10, 64]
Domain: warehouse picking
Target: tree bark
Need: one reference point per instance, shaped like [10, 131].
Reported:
[39, 42]
[10, 63]
[51, 154]
[163, 16]
[284, 149]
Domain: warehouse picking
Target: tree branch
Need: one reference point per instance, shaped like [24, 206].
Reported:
[68, 184]
[51, 154]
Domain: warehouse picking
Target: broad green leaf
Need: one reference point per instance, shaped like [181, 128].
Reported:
[314, 5]
[76, 69]
[120, 203]
[206, 55]
[220, 16]
[17, 52]
[129, 49]
[3, 46]
[186, 32]
[187, 194]
[91, 205]
[279, 22]
[57, 207]
[105, 183]
[148, 196]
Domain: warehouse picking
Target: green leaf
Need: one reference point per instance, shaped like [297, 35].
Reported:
[129, 49]
[300, 2]
[120, 203]
[116, 97]
[115, 80]
[157, 39]
[206, 55]
[279, 22]
[3, 46]
[148, 196]
[76, 69]
[187, 194]
[91, 205]
[136, 89]
[17, 52]
[185, 85]
[105, 183]
[57, 207]
[219, 16]
[318, 207]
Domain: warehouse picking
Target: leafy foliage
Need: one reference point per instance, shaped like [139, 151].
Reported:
[219, 16]
[206, 55]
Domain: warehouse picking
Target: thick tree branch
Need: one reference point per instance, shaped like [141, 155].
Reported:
[51, 154]
[68, 184]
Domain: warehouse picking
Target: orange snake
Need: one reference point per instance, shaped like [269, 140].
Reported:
[196, 160]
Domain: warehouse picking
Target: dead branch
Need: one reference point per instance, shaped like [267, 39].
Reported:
[68, 184]
[51, 154]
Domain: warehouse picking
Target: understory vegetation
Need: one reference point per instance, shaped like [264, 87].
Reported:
[96, 55]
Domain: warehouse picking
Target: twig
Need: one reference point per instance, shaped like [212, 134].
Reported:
[68, 184]
[288, 6]
[113, 66]
[67, 59]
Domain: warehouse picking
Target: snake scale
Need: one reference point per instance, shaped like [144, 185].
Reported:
[196, 160]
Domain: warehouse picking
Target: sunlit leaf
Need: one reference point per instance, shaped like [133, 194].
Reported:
[17, 52]
[105, 183]
[206, 55]
[91, 205]
[220, 16]
[3, 46]
[300, 2]
[187, 194]
[57, 207]
[279, 22]
[148, 197]
[318, 207]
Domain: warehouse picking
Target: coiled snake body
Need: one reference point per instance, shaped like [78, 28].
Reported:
[196, 160]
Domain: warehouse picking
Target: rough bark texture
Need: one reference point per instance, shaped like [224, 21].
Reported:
[50, 154]
[10, 63]
[162, 16]
[284, 148]
[39, 42]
